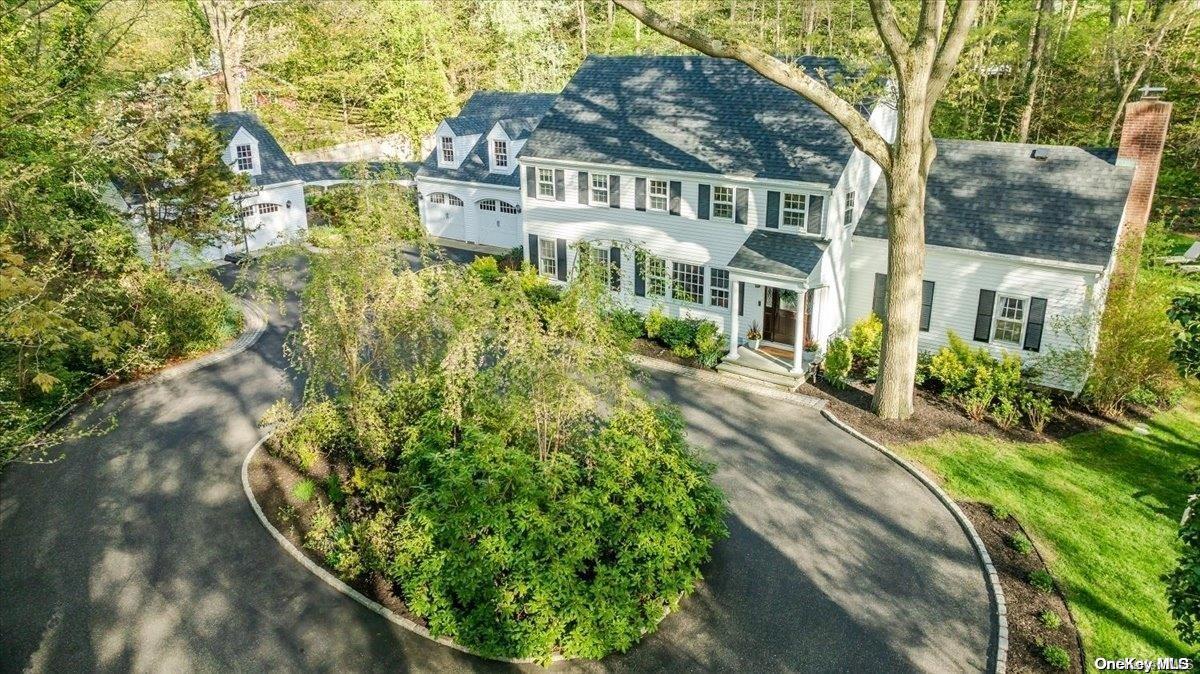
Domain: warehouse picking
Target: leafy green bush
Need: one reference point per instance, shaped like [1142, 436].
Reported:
[837, 363]
[184, 315]
[710, 345]
[1005, 413]
[1050, 620]
[324, 237]
[688, 338]
[866, 341]
[1042, 580]
[1000, 512]
[655, 320]
[627, 323]
[540, 291]
[983, 384]
[678, 332]
[1021, 543]
[486, 268]
[1183, 582]
[685, 351]
[304, 490]
[1185, 312]
[1056, 656]
[333, 489]
[1037, 409]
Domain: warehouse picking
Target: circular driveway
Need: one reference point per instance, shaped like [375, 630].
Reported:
[138, 551]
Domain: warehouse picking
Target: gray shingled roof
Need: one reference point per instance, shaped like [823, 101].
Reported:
[995, 198]
[693, 113]
[518, 112]
[780, 253]
[335, 170]
[277, 167]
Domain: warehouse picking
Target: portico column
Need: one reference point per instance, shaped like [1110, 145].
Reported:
[734, 308]
[798, 340]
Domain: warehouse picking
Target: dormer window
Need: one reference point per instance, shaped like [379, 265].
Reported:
[500, 153]
[448, 149]
[245, 158]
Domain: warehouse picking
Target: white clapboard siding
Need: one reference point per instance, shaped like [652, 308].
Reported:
[471, 194]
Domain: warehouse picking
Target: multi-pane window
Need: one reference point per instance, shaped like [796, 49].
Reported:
[453, 200]
[545, 183]
[448, 149]
[599, 188]
[656, 276]
[722, 202]
[245, 158]
[793, 211]
[689, 282]
[268, 208]
[548, 257]
[718, 287]
[1010, 320]
[500, 153]
[658, 195]
[849, 215]
[437, 198]
[487, 205]
[508, 208]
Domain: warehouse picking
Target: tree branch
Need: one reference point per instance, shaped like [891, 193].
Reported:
[794, 78]
[884, 16]
[951, 48]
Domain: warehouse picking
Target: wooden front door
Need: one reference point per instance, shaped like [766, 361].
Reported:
[779, 316]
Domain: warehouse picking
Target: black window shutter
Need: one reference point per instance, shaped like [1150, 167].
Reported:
[814, 214]
[879, 298]
[676, 192]
[772, 209]
[1033, 328]
[741, 202]
[530, 181]
[533, 250]
[614, 261]
[561, 245]
[741, 298]
[983, 316]
[926, 304]
[702, 207]
[614, 191]
[639, 275]
[583, 187]
[639, 193]
[560, 191]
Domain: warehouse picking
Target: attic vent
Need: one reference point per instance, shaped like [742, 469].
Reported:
[1040, 154]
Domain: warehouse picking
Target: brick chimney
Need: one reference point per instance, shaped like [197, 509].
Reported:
[1143, 136]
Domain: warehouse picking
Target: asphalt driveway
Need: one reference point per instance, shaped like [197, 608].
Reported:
[138, 551]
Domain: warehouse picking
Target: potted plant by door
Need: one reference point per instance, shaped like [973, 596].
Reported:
[754, 335]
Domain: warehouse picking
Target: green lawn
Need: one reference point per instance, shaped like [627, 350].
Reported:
[1102, 507]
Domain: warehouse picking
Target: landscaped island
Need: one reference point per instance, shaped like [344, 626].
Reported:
[473, 441]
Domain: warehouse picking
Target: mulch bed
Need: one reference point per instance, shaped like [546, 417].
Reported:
[273, 481]
[645, 347]
[1026, 634]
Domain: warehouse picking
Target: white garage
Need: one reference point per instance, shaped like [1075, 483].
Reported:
[444, 216]
[497, 223]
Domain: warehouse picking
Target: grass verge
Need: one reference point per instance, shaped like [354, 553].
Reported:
[1103, 507]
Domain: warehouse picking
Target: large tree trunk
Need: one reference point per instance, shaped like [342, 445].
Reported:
[1033, 69]
[228, 22]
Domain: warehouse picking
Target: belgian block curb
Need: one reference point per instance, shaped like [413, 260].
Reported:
[999, 607]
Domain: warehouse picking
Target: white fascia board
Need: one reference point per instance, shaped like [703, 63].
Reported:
[1020, 259]
[817, 188]
[450, 181]
[764, 278]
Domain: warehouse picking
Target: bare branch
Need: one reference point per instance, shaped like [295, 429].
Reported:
[884, 16]
[950, 50]
[794, 78]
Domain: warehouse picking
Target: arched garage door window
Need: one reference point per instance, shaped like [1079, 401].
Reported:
[260, 209]
[444, 198]
[496, 204]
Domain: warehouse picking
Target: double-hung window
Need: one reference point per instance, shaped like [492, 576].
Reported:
[722, 202]
[245, 158]
[545, 183]
[658, 195]
[656, 276]
[689, 282]
[718, 287]
[548, 257]
[500, 153]
[1010, 319]
[793, 211]
[849, 215]
[599, 188]
[448, 149]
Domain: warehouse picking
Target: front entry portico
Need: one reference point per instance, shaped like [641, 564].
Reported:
[783, 314]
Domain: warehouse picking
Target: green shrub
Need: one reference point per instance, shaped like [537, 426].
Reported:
[866, 340]
[1037, 409]
[302, 435]
[1056, 656]
[710, 345]
[1185, 312]
[324, 237]
[678, 332]
[1000, 512]
[655, 320]
[184, 315]
[1144, 396]
[486, 268]
[837, 363]
[1005, 413]
[1021, 543]
[1042, 580]
[1050, 620]
[304, 490]
[538, 289]
[685, 351]
[981, 383]
[333, 489]
[627, 323]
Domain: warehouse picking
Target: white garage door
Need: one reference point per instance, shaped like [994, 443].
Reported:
[498, 223]
[444, 216]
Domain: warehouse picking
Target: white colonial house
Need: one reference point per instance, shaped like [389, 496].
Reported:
[716, 194]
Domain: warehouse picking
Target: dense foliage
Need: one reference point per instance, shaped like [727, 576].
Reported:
[1183, 583]
[1185, 312]
[495, 463]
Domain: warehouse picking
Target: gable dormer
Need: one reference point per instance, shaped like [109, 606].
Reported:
[501, 151]
[454, 139]
[242, 154]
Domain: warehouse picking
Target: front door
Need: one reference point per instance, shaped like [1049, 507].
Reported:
[779, 316]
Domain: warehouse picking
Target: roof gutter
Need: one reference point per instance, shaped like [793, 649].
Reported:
[823, 188]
